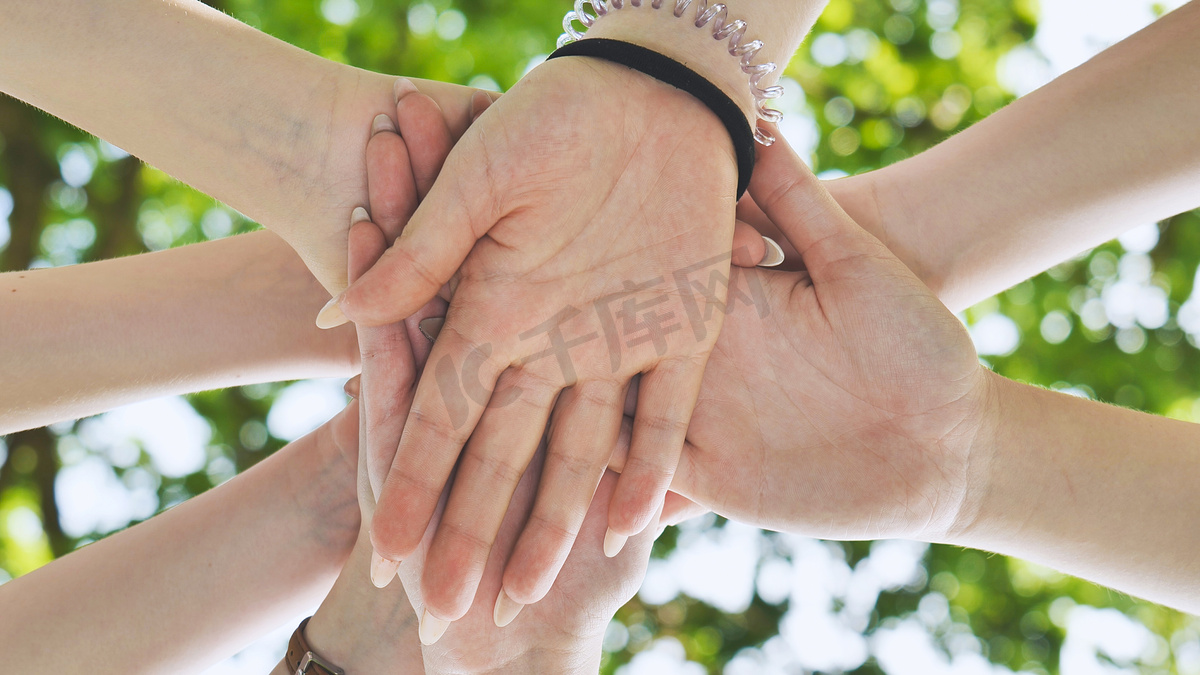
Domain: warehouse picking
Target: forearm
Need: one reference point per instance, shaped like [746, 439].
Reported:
[83, 339]
[271, 130]
[196, 583]
[1102, 492]
[211, 101]
[1105, 147]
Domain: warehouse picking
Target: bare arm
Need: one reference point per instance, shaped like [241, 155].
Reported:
[268, 128]
[1108, 146]
[1102, 492]
[195, 584]
[83, 339]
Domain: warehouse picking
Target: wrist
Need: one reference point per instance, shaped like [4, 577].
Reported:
[579, 657]
[363, 629]
[985, 453]
[571, 656]
[679, 39]
[321, 480]
[772, 28]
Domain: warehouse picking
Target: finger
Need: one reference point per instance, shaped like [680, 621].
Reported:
[443, 415]
[384, 369]
[391, 189]
[387, 363]
[458, 210]
[809, 218]
[480, 101]
[666, 397]
[583, 433]
[749, 212]
[365, 242]
[421, 343]
[631, 395]
[423, 129]
[750, 248]
[352, 386]
[677, 508]
[624, 574]
[488, 472]
[620, 453]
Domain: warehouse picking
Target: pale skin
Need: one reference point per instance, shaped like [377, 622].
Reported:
[83, 339]
[870, 420]
[1040, 181]
[185, 591]
[365, 630]
[970, 228]
[289, 182]
[656, 199]
[939, 489]
[1158, 182]
[283, 144]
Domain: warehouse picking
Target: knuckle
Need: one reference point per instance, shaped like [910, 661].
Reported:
[598, 395]
[492, 470]
[432, 427]
[646, 476]
[558, 534]
[660, 424]
[413, 492]
[465, 542]
[570, 467]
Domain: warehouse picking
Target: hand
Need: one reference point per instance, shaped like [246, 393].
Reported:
[558, 241]
[337, 181]
[850, 409]
[358, 627]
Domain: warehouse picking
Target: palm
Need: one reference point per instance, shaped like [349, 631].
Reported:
[579, 210]
[844, 398]
[845, 411]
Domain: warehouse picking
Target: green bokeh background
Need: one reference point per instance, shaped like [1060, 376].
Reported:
[904, 99]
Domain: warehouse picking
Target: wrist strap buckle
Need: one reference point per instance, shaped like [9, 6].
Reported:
[311, 659]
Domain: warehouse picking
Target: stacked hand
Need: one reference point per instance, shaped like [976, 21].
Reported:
[849, 405]
[842, 402]
[375, 630]
[562, 256]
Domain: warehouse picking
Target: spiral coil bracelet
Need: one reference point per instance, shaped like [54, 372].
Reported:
[722, 28]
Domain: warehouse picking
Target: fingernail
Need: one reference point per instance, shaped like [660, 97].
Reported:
[432, 628]
[774, 254]
[613, 543]
[382, 570]
[506, 609]
[402, 87]
[331, 315]
[431, 327]
[359, 214]
[382, 123]
[480, 102]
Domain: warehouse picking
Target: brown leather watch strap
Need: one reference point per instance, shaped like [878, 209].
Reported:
[301, 660]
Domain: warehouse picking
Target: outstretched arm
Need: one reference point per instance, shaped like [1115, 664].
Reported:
[273, 131]
[83, 339]
[197, 583]
[1108, 146]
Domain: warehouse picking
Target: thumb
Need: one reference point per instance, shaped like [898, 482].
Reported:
[458, 211]
[808, 216]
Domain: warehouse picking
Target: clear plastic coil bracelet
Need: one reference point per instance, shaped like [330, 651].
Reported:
[722, 28]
